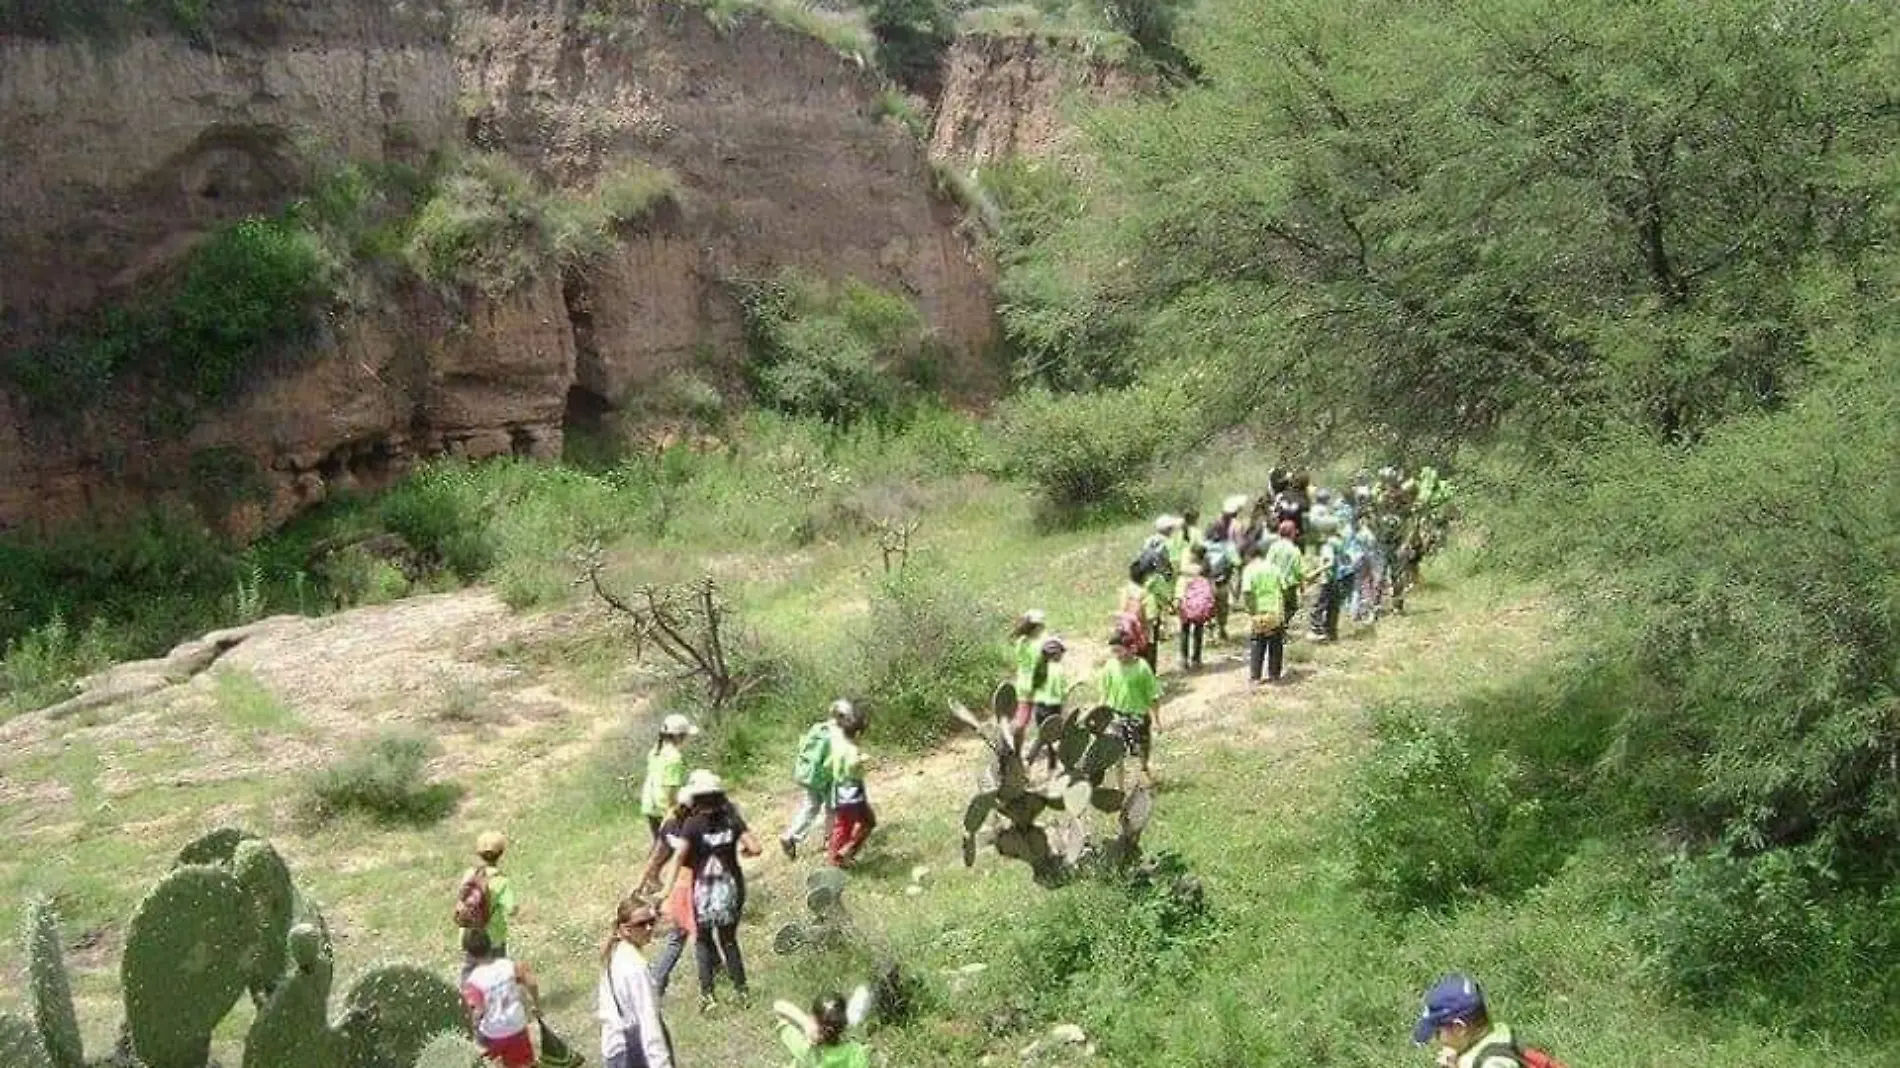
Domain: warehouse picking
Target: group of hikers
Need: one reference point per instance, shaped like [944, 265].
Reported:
[1357, 552]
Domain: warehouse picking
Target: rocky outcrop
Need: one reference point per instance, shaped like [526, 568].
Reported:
[1010, 96]
[117, 157]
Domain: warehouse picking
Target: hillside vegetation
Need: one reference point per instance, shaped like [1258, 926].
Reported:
[1627, 270]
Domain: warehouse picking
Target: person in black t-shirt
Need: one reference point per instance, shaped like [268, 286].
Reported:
[710, 842]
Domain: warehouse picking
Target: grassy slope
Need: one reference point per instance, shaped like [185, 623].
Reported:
[1301, 974]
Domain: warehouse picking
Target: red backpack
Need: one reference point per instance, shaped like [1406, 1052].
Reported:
[1197, 601]
[471, 899]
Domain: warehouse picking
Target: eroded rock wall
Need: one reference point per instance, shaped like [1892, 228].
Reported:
[1011, 96]
[116, 158]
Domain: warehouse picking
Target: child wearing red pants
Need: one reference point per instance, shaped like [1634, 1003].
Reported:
[851, 815]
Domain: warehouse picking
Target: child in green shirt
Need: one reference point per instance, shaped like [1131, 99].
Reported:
[1128, 686]
[817, 1040]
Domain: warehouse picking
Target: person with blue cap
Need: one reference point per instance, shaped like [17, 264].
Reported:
[1456, 1019]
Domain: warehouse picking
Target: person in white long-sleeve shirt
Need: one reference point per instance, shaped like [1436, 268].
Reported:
[632, 1034]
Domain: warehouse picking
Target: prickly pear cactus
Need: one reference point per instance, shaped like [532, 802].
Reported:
[826, 919]
[1087, 749]
[293, 1025]
[186, 959]
[215, 847]
[20, 1044]
[393, 1011]
[50, 995]
[271, 898]
[449, 1050]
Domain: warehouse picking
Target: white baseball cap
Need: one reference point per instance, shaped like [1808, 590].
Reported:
[678, 726]
[700, 783]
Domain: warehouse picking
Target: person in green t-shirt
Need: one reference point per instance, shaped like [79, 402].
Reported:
[666, 770]
[811, 771]
[1262, 594]
[1128, 686]
[496, 888]
[1049, 691]
[817, 1040]
[1026, 645]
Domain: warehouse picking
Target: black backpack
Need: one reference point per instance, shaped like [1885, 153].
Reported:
[1153, 560]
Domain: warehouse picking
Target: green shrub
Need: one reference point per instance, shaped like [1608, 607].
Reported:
[38, 668]
[249, 290]
[828, 351]
[1432, 825]
[926, 641]
[482, 228]
[1086, 452]
[632, 191]
[384, 779]
[912, 36]
[897, 106]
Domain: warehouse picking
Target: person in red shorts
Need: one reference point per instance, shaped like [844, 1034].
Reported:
[851, 815]
[502, 999]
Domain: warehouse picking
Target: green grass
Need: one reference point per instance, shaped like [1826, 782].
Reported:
[1299, 969]
[245, 704]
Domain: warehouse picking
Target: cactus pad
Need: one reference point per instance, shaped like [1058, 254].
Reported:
[185, 964]
[1003, 701]
[825, 878]
[1135, 812]
[1106, 799]
[395, 1010]
[307, 946]
[216, 847]
[1075, 797]
[969, 850]
[293, 1026]
[49, 994]
[978, 813]
[20, 1044]
[267, 888]
[789, 939]
[450, 1049]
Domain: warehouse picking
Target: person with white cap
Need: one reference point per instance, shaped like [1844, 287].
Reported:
[709, 843]
[811, 771]
[666, 770]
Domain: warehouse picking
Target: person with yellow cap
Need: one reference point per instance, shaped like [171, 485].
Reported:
[486, 899]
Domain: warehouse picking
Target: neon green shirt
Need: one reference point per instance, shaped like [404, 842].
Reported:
[1028, 647]
[1287, 563]
[806, 1055]
[1055, 685]
[666, 773]
[1261, 586]
[1129, 687]
[846, 767]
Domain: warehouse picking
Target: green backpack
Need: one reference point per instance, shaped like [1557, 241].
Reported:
[812, 769]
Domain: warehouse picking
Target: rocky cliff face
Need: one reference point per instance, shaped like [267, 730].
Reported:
[117, 158]
[1007, 96]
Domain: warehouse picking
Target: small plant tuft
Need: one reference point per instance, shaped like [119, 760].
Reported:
[384, 779]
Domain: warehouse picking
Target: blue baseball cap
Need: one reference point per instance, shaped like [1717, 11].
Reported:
[1456, 997]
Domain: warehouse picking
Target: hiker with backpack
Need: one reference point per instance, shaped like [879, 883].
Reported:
[1026, 644]
[1283, 554]
[1222, 563]
[666, 770]
[1137, 616]
[1195, 600]
[1049, 691]
[809, 772]
[710, 842]
[1456, 1019]
[851, 815]
[816, 1040]
[1263, 596]
[632, 1032]
[1128, 686]
[485, 900]
[1334, 577]
[502, 998]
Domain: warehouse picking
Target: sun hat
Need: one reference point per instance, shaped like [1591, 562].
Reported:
[491, 844]
[677, 726]
[700, 783]
[1053, 646]
[1456, 998]
[1034, 615]
[1234, 505]
[1165, 523]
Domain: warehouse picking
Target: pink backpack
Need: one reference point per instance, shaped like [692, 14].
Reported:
[1197, 601]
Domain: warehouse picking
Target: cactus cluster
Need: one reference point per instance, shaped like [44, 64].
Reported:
[450, 1049]
[1087, 749]
[217, 925]
[825, 920]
